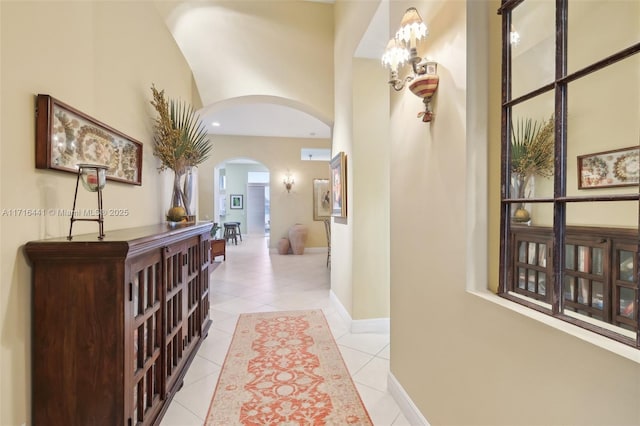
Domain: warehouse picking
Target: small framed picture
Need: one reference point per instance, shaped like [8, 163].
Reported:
[235, 202]
[339, 185]
[619, 167]
[321, 199]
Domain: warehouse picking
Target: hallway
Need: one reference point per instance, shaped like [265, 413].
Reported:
[254, 280]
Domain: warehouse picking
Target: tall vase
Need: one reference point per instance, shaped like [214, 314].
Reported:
[519, 189]
[188, 190]
[298, 238]
[178, 198]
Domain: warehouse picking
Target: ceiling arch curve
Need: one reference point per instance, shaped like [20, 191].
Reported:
[262, 115]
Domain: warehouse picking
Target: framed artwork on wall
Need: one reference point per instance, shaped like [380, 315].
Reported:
[339, 185]
[236, 201]
[66, 137]
[321, 199]
[619, 167]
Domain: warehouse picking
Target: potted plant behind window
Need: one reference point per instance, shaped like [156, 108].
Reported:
[532, 149]
[181, 143]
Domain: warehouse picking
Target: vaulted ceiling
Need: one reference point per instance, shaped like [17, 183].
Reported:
[260, 115]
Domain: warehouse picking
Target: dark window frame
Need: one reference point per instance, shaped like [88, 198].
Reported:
[559, 199]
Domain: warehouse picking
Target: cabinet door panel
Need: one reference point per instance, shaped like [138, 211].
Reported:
[146, 288]
[175, 259]
[115, 322]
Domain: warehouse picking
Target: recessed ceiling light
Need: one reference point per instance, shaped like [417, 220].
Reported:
[215, 124]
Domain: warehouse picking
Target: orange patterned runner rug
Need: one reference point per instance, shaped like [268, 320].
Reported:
[284, 368]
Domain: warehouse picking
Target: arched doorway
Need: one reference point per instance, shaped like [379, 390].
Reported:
[241, 194]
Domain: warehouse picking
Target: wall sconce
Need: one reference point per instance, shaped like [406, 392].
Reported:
[288, 182]
[402, 48]
[94, 178]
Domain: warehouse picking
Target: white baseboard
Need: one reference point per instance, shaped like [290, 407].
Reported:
[274, 250]
[373, 325]
[407, 407]
[315, 249]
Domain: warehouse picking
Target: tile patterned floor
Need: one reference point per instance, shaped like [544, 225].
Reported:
[253, 280]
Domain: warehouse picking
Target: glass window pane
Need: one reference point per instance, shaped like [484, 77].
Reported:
[570, 256]
[521, 277]
[627, 304]
[138, 306]
[569, 287]
[522, 251]
[135, 404]
[542, 283]
[533, 55]
[598, 139]
[145, 290]
[583, 259]
[610, 214]
[583, 291]
[531, 282]
[605, 27]
[625, 270]
[532, 150]
[597, 297]
[531, 260]
[596, 264]
[542, 255]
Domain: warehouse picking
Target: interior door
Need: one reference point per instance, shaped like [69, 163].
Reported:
[255, 208]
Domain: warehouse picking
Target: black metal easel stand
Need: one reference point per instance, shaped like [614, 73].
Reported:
[99, 219]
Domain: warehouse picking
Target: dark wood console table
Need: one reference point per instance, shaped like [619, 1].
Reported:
[116, 323]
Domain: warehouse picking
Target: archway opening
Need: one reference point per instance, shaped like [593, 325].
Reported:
[242, 195]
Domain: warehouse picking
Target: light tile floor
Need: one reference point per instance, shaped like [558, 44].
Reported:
[254, 280]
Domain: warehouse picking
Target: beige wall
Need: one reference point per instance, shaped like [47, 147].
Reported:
[258, 48]
[462, 356]
[360, 283]
[278, 155]
[72, 51]
[370, 201]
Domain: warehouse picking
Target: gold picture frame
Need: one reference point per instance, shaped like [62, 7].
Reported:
[321, 199]
[339, 185]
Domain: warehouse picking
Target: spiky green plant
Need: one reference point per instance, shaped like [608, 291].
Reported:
[532, 148]
[180, 140]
